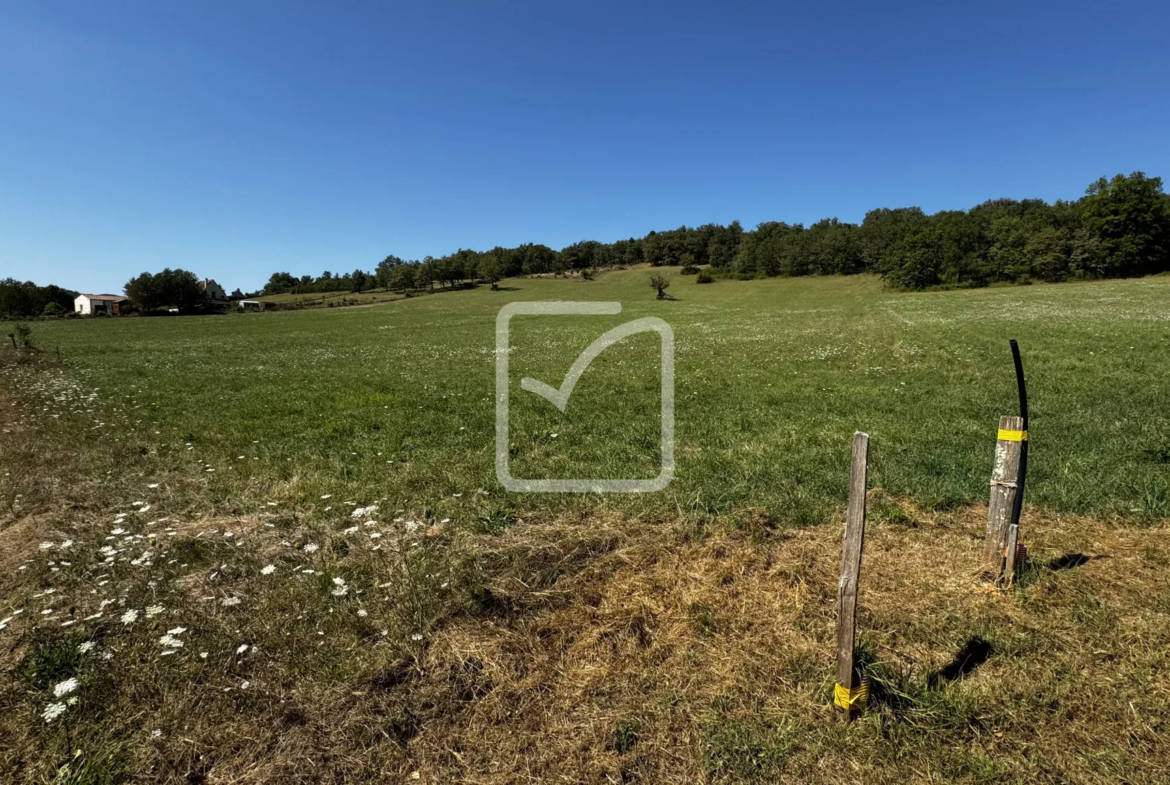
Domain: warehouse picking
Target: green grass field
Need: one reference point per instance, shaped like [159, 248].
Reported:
[327, 298]
[396, 401]
[271, 547]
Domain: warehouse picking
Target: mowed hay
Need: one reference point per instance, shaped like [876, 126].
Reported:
[711, 660]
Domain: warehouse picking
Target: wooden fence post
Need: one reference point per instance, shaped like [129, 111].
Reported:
[850, 693]
[1011, 552]
[1005, 475]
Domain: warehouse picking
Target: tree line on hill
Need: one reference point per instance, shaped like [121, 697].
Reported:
[1119, 228]
[23, 299]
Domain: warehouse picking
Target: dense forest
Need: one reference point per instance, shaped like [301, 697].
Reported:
[1119, 228]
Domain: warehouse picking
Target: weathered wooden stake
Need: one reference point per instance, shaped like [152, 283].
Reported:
[849, 693]
[1010, 554]
[1005, 474]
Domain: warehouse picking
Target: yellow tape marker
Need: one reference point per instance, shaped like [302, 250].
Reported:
[851, 699]
[1012, 436]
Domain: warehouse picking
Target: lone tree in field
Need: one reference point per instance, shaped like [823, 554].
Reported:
[658, 282]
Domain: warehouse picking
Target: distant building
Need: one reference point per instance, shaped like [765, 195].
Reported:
[237, 295]
[214, 292]
[91, 304]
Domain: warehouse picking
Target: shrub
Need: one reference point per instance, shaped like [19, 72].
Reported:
[690, 269]
[24, 335]
[705, 277]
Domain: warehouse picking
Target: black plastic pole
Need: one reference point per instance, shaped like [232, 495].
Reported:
[1022, 388]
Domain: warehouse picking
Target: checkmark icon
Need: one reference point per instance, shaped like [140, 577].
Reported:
[559, 396]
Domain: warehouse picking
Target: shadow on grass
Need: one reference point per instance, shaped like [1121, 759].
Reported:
[1071, 561]
[974, 653]
[924, 701]
[1034, 570]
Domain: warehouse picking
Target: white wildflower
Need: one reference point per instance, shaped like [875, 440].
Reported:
[310, 547]
[53, 711]
[65, 687]
[130, 616]
[268, 569]
[154, 610]
[243, 648]
[170, 641]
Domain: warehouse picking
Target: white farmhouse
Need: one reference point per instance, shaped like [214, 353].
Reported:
[214, 291]
[91, 304]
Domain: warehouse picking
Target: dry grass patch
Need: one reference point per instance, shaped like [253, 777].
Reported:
[710, 660]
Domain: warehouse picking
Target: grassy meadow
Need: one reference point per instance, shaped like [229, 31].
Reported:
[772, 377]
[271, 546]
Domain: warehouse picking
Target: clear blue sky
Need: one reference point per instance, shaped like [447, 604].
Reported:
[239, 138]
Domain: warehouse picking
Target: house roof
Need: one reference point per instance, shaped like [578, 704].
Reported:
[113, 298]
